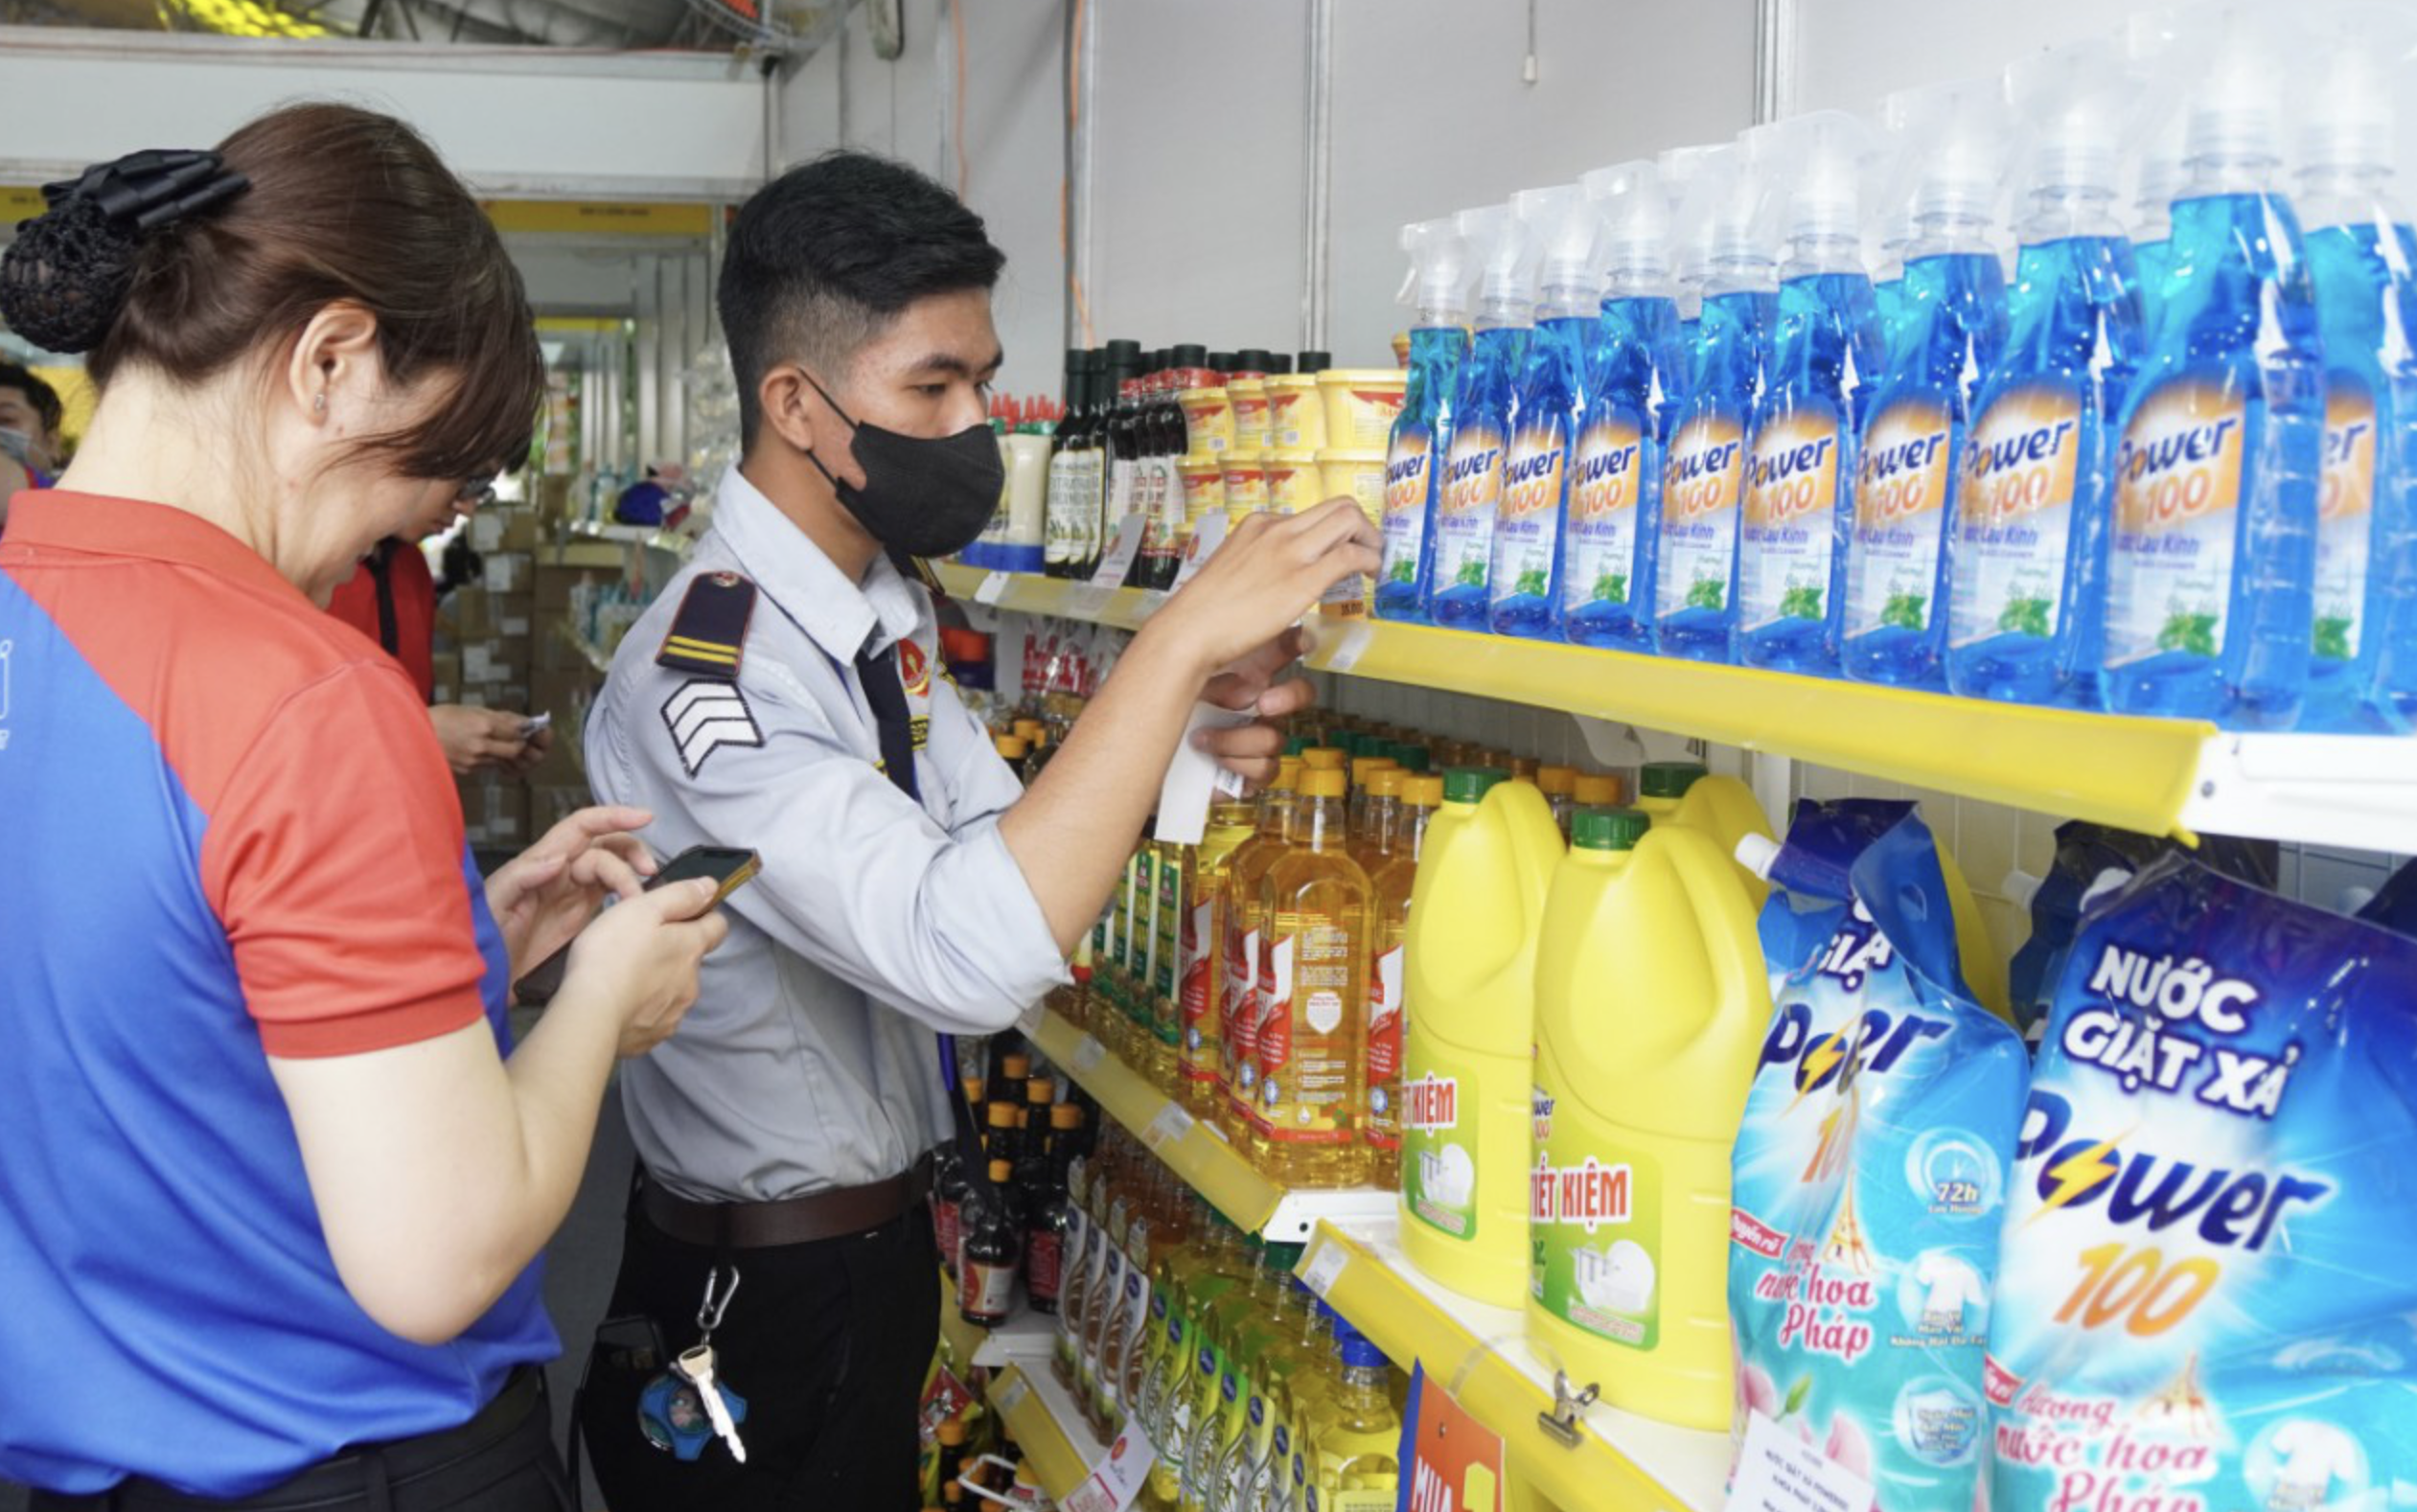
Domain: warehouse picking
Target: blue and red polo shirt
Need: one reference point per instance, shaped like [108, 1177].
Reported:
[230, 836]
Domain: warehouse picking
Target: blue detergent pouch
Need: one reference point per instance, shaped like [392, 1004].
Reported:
[1524, 581]
[1610, 535]
[1440, 276]
[1950, 331]
[2210, 604]
[2205, 1301]
[1870, 1174]
[1703, 480]
[1812, 874]
[1801, 451]
[1470, 496]
[2026, 574]
[2394, 905]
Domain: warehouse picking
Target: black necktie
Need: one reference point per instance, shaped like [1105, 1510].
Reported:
[877, 672]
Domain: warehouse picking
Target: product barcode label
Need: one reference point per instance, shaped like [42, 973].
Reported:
[993, 587]
[1172, 1123]
[1011, 1393]
[1324, 1265]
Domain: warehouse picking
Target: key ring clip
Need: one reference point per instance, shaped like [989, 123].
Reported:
[717, 1298]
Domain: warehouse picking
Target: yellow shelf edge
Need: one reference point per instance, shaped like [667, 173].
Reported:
[1119, 608]
[1202, 1158]
[1047, 1444]
[1409, 1326]
[2137, 773]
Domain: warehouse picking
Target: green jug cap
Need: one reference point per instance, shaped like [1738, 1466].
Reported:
[1669, 779]
[1284, 1256]
[1409, 757]
[1608, 829]
[1296, 746]
[1471, 783]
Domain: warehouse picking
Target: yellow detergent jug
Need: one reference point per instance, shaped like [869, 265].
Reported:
[1467, 1055]
[1651, 1003]
[1683, 792]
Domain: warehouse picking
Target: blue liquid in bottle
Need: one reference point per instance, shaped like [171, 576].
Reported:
[1525, 579]
[1612, 536]
[1469, 493]
[1800, 466]
[2209, 593]
[1703, 480]
[2027, 549]
[1422, 438]
[2366, 530]
[1951, 332]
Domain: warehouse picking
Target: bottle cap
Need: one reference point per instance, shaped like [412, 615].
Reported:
[1251, 362]
[1066, 1115]
[1001, 1114]
[973, 1086]
[1189, 355]
[1029, 728]
[1040, 1091]
[1524, 768]
[1359, 1351]
[1423, 791]
[1294, 746]
[1012, 746]
[1220, 362]
[1608, 829]
[1410, 756]
[1017, 1064]
[1325, 758]
[951, 1431]
[1279, 366]
[1324, 783]
[1363, 767]
[1597, 791]
[1471, 783]
[1313, 361]
[1757, 854]
[1385, 782]
[1557, 782]
[1669, 779]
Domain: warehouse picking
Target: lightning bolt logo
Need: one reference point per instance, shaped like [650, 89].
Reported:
[2081, 1173]
[1813, 1072]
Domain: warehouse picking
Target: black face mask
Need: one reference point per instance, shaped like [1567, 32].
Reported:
[926, 497]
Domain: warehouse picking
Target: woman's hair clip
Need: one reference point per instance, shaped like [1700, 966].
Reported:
[144, 191]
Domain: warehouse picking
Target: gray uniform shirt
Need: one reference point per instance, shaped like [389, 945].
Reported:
[810, 1060]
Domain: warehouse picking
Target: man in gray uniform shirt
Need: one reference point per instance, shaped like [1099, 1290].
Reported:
[782, 696]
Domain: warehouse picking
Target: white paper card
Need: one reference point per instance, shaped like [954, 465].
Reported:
[1348, 647]
[1087, 601]
[1324, 1266]
[1194, 778]
[993, 587]
[1116, 1482]
[1010, 1394]
[1778, 1472]
[1206, 538]
[1086, 1056]
[1172, 1123]
[1118, 558]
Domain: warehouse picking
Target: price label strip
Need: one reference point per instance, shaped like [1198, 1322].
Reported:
[1172, 1123]
[1324, 1265]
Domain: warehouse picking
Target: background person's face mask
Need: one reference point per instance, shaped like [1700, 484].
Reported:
[926, 497]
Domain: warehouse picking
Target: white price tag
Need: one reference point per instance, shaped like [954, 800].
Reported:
[1206, 538]
[1350, 647]
[1324, 1266]
[1778, 1472]
[993, 587]
[1086, 601]
[1172, 1123]
[1118, 561]
[1010, 1394]
[1086, 1056]
[1115, 1481]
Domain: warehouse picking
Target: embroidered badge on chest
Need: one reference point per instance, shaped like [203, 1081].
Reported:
[704, 715]
[915, 675]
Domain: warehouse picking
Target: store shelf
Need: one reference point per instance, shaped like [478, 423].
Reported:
[1124, 608]
[1026, 1337]
[1196, 1150]
[589, 651]
[2160, 776]
[1479, 1353]
[1045, 1424]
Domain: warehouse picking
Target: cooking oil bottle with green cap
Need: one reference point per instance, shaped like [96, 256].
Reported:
[1467, 1055]
[1651, 1003]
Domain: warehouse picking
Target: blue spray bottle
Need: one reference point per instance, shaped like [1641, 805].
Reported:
[1610, 536]
[1471, 489]
[1703, 481]
[2363, 674]
[2156, 152]
[1526, 577]
[2027, 549]
[2209, 586]
[1691, 267]
[1800, 449]
[1951, 329]
[1440, 278]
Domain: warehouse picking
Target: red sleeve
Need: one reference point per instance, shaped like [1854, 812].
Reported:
[415, 618]
[334, 860]
[355, 601]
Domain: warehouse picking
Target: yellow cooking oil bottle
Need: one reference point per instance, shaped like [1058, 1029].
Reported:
[1683, 792]
[1163, 999]
[1373, 828]
[1388, 1004]
[1651, 1003]
[1468, 1051]
[1363, 770]
[1314, 955]
[1359, 1433]
[1238, 1009]
[1232, 823]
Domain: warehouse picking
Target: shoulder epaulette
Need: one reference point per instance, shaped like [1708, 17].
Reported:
[710, 628]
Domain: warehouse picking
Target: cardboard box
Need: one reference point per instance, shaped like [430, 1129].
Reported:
[466, 615]
[510, 571]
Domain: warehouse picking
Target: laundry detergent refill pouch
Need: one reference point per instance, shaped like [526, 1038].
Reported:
[1870, 1171]
[2205, 1300]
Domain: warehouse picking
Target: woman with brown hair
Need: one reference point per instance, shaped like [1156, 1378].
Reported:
[272, 1178]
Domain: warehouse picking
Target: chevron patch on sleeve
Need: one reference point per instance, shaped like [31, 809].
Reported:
[704, 716]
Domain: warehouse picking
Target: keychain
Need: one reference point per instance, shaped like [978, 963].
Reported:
[688, 1407]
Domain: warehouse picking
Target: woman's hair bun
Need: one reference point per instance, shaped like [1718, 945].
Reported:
[66, 276]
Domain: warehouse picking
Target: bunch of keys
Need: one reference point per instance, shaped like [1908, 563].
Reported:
[687, 1408]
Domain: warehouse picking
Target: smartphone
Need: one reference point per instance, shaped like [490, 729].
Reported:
[732, 866]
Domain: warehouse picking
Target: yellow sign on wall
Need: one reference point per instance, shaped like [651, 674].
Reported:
[618, 218]
[19, 204]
